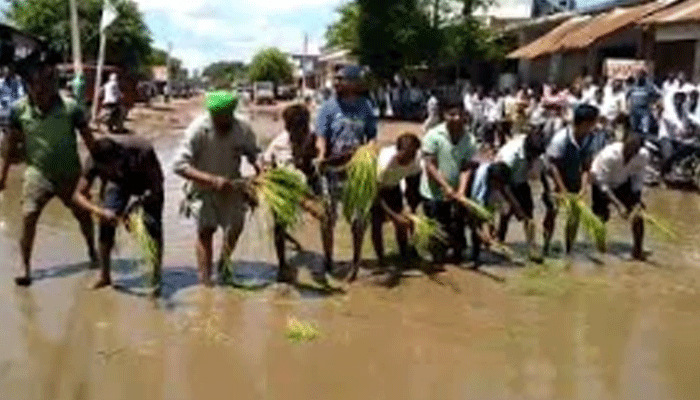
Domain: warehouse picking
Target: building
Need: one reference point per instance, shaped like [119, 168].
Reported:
[330, 62]
[305, 70]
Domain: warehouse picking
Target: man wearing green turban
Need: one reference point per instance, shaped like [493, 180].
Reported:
[210, 159]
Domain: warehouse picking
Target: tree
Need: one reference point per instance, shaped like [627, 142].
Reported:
[128, 38]
[270, 65]
[394, 34]
[344, 33]
[225, 71]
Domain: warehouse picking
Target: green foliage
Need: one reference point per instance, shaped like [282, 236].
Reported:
[344, 33]
[577, 210]
[283, 191]
[147, 245]
[298, 331]
[425, 232]
[128, 38]
[225, 71]
[270, 65]
[394, 34]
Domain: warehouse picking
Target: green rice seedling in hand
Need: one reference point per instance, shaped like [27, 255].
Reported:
[361, 186]
[283, 190]
[654, 222]
[476, 209]
[578, 211]
[147, 245]
[425, 232]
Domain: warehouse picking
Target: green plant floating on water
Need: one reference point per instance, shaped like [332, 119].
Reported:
[298, 331]
[552, 279]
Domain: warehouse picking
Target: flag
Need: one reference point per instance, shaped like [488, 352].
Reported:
[109, 14]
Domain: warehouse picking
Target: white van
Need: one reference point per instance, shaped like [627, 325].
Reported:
[264, 92]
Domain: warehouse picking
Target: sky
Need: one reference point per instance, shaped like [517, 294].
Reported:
[205, 31]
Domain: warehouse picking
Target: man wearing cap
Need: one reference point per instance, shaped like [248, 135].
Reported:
[345, 122]
[210, 159]
[46, 122]
[566, 163]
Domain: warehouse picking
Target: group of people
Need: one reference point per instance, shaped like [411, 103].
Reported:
[454, 160]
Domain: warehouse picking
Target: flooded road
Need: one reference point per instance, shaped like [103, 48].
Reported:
[612, 329]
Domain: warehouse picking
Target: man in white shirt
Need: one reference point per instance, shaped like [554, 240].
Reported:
[111, 101]
[675, 132]
[617, 174]
[398, 166]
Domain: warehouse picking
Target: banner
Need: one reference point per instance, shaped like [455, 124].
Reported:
[109, 14]
[617, 68]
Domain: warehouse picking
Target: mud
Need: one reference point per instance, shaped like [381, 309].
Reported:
[615, 330]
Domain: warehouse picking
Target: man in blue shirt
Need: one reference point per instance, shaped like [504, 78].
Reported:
[566, 163]
[345, 122]
[641, 96]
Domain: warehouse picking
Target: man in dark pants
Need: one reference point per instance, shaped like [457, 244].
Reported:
[447, 151]
[131, 176]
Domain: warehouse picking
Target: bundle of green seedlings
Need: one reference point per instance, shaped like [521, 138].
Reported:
[299, 331]
[425, 232]
[577, 210]
[283, 190]
[361, 186]
[146, 244]
[476, 209]
[661, 227]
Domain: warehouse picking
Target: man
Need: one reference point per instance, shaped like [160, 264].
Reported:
[640, 99]
[397, 165]
[566, 160]
[676, 133]
[617, 175]
[344, 123]
[433, 113]
[447, 151]
[112, 102]
[490, 189]
[294, 148]
[210, 159]
[131, 176]
[522, 156]
[46, 123]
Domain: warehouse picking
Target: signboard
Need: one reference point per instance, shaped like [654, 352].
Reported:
[617, 68]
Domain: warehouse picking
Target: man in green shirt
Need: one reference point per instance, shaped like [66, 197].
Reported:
[46, 123]
[448, 150]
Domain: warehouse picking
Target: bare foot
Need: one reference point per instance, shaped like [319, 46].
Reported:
[102, 283]
[23, 281]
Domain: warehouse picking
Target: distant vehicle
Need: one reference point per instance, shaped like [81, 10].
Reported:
[286, 92]
[264, 92]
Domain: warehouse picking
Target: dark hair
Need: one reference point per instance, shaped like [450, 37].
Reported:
[407, 140]
[499, 171]
[35, 61]
[534, 143]
[585, 113]
[106, 150]
[450, 103]
[295, 113]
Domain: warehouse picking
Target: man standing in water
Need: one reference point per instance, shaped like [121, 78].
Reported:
[344, 122]
[47, 123]
[131, 176]
[210, 159]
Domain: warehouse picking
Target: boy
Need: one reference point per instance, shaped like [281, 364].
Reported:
[131, 175]
[293, 148]
[396, 164]
[210, 159]
[566, 160]
[489, 187]
[522, 156]
[447, 151]
[617, 174]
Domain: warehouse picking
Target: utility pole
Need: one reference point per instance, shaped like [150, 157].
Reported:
[303, 64]
[167, 76]
[78, 80]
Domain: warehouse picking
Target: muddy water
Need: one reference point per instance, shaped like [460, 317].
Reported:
[624, 331]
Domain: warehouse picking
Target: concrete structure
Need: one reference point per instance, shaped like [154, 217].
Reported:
[330, 62]
[305, 70]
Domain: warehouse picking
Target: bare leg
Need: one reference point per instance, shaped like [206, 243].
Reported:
[503, 225]
[548, 229]
[571, 231]
[26, 243]
[87, 228]
[638, 235]
[358, 235]
[105, 263]
[378, 239]
[327, 228]
[204, 255]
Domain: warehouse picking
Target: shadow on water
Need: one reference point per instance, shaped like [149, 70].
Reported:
[173, 280]
[121, 266]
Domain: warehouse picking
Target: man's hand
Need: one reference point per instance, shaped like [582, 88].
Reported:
[109, 217]
[222, 185]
